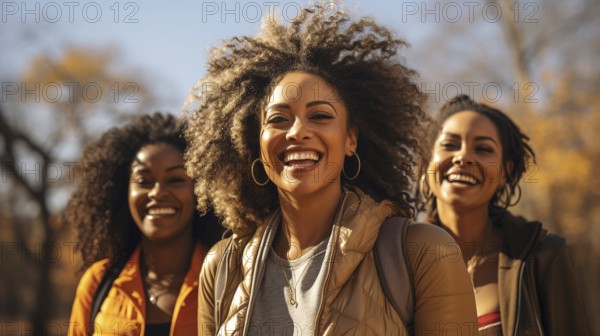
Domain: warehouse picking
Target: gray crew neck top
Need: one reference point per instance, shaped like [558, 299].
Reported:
[273, 314]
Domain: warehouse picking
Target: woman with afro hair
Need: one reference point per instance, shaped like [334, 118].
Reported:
[523, 278]
[135, 204]
[305, 139]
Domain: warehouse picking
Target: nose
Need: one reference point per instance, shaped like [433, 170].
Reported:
[463, 157]
[157, 191]
[298, 131]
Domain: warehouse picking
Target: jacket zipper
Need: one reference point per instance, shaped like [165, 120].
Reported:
[533, 304]
[519, 284]
[332, 257]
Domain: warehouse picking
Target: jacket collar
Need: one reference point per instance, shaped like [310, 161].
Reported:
[355, 228]
[130, 280]
[519, 237]
[354, 233]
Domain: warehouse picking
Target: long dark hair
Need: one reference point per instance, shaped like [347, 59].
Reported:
[99, 208]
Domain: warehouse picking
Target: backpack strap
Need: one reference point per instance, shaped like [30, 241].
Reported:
[221, 280]
[394, 272]
[105, 284]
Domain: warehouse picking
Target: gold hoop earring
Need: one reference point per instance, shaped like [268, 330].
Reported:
[357, 171]
[425, 188]
[260, 184]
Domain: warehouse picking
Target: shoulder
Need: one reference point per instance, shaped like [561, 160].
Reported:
[527, 237]
[443, 291]
[429, 243]
[548, 242]
[551, 252]
[92, 277]
[214, 255]
[86, 289]
[427, 233]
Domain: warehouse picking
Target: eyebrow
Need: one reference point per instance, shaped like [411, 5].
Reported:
[309, 104]
[138, 166]
[280, 105]
[483, 137]
[320, 102]
[479, 137]
[175, 167]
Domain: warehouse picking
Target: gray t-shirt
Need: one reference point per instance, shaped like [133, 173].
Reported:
[274, 312]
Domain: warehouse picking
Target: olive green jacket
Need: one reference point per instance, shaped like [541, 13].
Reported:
[538, 289]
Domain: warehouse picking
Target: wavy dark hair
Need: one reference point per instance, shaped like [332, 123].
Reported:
[99, 208]
[517, 155]
[358, 58]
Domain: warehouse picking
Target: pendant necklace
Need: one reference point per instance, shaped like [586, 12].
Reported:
[290, 282]
[164, 286]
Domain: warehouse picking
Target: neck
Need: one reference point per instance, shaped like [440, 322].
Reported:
[306, 221]
[169, 258]
[471, 228]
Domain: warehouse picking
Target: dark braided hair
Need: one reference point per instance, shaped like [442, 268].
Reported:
[516, 152]
[99, 208]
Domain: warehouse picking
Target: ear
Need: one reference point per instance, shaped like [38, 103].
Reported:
[351, 141]
[509, 169]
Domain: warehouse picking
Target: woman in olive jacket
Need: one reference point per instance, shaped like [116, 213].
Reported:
[523, 279]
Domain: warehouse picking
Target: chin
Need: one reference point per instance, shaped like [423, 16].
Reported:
[462, 204]
[299, 187]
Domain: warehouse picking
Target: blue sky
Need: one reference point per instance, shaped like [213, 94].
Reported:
[167, 41]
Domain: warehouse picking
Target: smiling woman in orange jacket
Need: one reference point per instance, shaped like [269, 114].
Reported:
[136, 203]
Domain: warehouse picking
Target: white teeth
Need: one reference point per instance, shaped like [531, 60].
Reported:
[461, 178]
[301, 156]
[161, 211]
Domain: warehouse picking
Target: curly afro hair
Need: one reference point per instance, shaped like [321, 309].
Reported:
[359, 58]
[516, 152]
[99, 208]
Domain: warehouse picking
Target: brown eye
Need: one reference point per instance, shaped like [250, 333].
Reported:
[175, 180]
[275, 119]
[142, 182]
[485, 149]
[322, 116]
[448, 145]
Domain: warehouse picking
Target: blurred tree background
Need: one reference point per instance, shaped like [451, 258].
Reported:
[536, 60]
[47, 116]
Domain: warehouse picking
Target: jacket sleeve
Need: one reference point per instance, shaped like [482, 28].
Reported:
[561, 303]
[79, 323]
[206, 291]
[444, 299]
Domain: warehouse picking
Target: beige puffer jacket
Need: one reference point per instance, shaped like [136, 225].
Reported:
[353, 302]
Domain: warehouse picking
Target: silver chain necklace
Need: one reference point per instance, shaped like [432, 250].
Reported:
[165, 286]
[290, 282]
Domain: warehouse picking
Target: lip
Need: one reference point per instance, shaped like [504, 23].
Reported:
[303, 159]
[460, 177]
[161, 210]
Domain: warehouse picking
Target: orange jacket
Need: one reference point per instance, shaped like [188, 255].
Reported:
[123, 312]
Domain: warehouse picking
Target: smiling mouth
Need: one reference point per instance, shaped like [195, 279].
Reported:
[300, 160]
[462, 179]
[161, 212]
